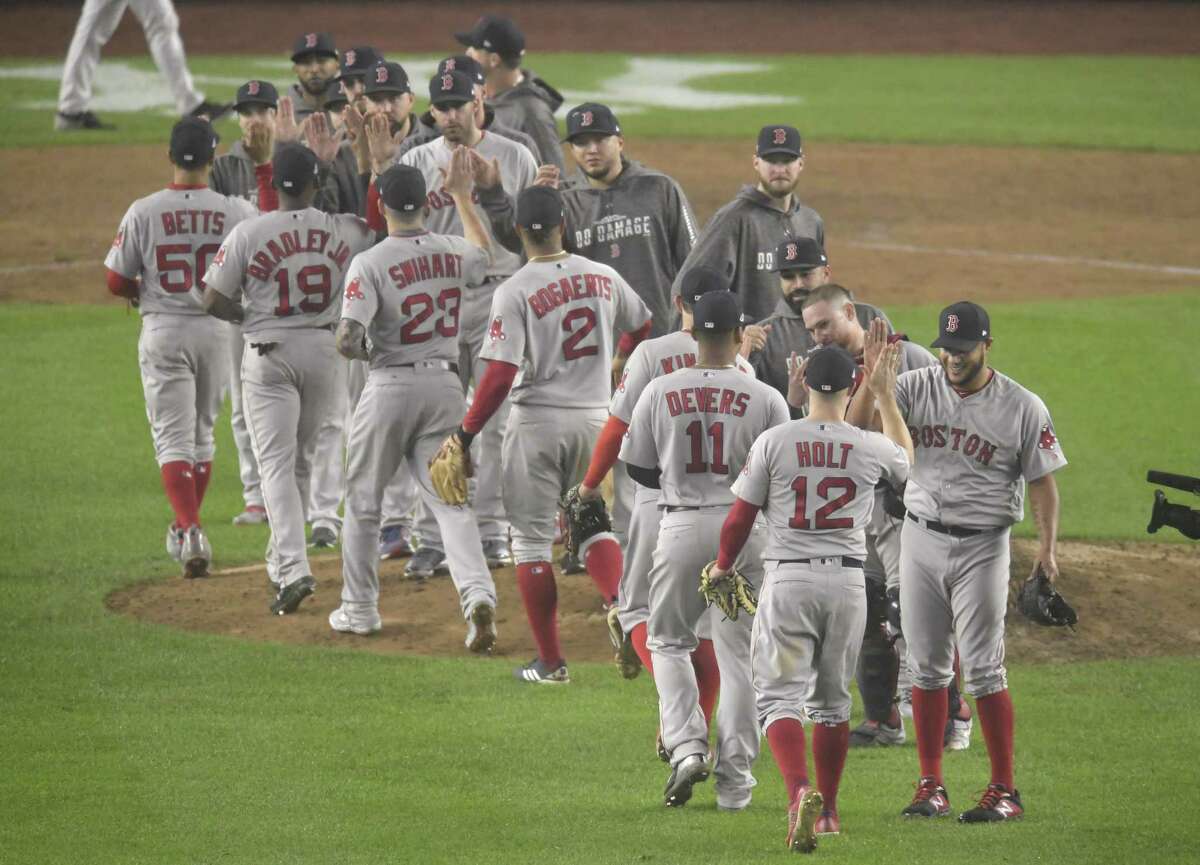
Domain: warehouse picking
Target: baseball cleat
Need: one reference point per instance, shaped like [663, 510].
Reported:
[426, 562]
[495, 551]
[930, 800]
[214, 111]
[624, 656]
[253, 515]
[802, 821]
[346, 622]
[195, 553]
[323, 538]
[998, 804]
[906, 704]
[289, 597]
[175, 542]
[661, 749]
[570, 564]
[828, 824]
[394, 543]
[958, 734]
[871, 733]
[691, 770]
[82, 120]
[481, 629]
[540, 674]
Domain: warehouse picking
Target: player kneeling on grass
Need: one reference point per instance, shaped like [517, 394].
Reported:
[278, 275]
[815, 480]
[403, 299]
[162, 247]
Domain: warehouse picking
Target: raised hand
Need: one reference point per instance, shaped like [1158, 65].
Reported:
[875, 342]
[881, 378]
[320, 137]
[259, 141]
[286, 128]
[380, 145]
[797, 394]
[486, 174]
[458, 180]
[754, 338]
[547, 175]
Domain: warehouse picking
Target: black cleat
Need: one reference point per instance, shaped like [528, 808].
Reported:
[289, 597]
[82, 120]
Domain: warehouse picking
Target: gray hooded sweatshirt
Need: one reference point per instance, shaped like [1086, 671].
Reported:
[529, 107]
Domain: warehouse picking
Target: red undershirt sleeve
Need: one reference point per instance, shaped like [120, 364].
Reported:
[268, 196]
[604, 454]
[735, 531]
[630, 340]
[492, 389]
[374, 218]
[121, 286]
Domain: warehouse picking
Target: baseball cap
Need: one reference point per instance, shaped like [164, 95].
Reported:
[591, 118]
[464, 64]
[962, 326]
[336, 95]
[356, 61]
[294, 166]
[699, 281]
[193, 142]
[799, 253]
[830, 368]
[386, 77]
[779, 139]
[539, 207]
[257, 93]
[451, 88]
[402, 188]
[495, 33]
[717, 310]
[320, 44]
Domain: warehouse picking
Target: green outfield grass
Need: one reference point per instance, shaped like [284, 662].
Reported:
[129, 742]
[1137, 103]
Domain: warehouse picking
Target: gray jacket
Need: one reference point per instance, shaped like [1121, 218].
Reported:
[642, 227]
[425, 130]
[740, 241]
[529, 107]
[233, 174]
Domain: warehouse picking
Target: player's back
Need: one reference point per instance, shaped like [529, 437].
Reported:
[703, 422]
[169, 238]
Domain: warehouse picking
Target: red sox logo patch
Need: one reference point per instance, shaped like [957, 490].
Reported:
[120, 238]
[780, 136]
[219, 258]
[586, 118]
[310, 40]
[614, 250]
[447, 82]
[381, 75]
[450, 65]
[951, 323]
[252, 88]
[354, 290]
[624, 378]
[351, 56]
[792, 252]
[496, 330]
[1047, 440]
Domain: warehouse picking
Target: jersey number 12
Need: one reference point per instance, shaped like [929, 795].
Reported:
[823, 518]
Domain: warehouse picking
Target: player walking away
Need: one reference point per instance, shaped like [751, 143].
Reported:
[813, 478]
[97, 23]
[689, 434]
[981, 438]
[520, 99]
[405, 295]
[742, 237]
[286, 267]
[554, 321]
[162, 247]
[315, 60]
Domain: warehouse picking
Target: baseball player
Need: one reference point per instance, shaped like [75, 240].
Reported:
[520, 99]
[814, 479]
[405, 295]
[689, 435]
[316, 62]
[981, 439]
[97, 23]
[742, 237]
[286, 268]
[554, 322]
[162, 248]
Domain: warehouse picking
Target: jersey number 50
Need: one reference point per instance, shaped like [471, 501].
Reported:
[174, 263]
[823, 518]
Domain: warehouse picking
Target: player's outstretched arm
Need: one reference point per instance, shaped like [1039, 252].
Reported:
[352, 339]
[459, 182]
[1043, 498]
[882, 383]
[222, 307]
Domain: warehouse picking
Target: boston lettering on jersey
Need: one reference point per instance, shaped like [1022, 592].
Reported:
[437, 265]
[940, 436]
[819, 454]
[612, 228]
[439, 198]
[193, 222]
[579, 286]
[294, 242]
[707, 400]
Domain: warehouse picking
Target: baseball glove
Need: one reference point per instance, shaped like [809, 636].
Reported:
[731, 592]
[1040, 603]
[584, 519]
[449, 470]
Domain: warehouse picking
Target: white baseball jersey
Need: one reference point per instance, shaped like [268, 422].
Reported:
[517, 171]
[652, 358]
[168, 239]
[407, 292]
[697, 425]
[972, 452]
[815, 482]
[555, 319]
[288, 265]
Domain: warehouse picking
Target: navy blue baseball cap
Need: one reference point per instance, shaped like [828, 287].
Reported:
[402, 188]
[699, 281]
[717, 310]
[539, 207]
[293, 167]
[256, 93]
[962, 326]
[591, 118]
[193, 142]
[451, 88]
[321, 44]
[358, 60]
[830, 369]
[495, 33]
[336, 96]
[799, 253]
[464, 64]
[386, 77]
[779, 139]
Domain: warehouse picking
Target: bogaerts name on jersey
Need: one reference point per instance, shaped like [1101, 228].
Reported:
[438, 265]
[294, 242]
[956, 438]
[707, 400]
[579, 286]
[828, 455]
[193, 221]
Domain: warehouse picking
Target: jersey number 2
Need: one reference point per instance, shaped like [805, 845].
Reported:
[570, 348]
[314, 282]
[823, 518]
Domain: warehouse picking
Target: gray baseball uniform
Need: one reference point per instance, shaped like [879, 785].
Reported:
[287, 267]
[814, 481]
[697, 425]
[556, 319]
[740, 241]
[407, 292]
[529, 107]
[974, 454]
